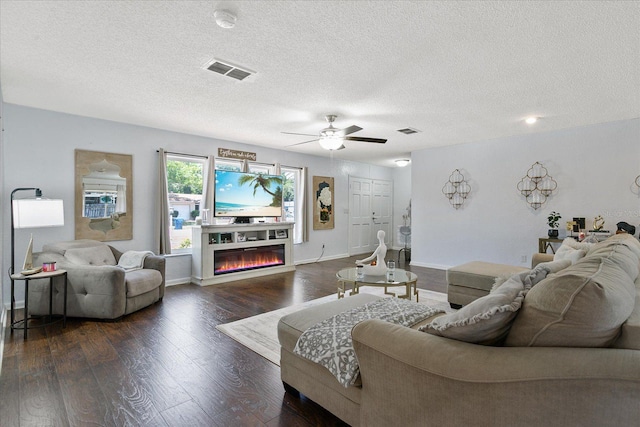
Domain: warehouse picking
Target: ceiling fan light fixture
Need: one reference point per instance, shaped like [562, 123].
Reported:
[330, 142]
[402, 162]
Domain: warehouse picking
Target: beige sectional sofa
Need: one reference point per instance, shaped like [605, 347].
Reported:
[567, 358]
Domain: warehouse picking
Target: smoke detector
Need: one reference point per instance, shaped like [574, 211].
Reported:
[225, 18]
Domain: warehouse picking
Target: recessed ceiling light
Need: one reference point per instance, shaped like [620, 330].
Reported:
[402, 162]
[531, 120]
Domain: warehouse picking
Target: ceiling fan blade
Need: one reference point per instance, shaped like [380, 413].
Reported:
[303, 142]
[364, 139]
[304, 134]
[351, 129]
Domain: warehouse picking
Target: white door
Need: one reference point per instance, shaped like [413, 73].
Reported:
[370, 210]
[360, 218]
[382, 211]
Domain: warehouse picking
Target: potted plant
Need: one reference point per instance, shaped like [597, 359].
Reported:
[552, 220]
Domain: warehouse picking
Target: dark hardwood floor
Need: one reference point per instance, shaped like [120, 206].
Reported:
[167, 365]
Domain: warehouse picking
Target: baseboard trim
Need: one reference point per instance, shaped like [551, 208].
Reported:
[175, 282]
[324, 258]
[19, 305]
[430, 265]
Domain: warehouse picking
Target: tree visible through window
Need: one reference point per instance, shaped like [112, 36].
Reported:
[185, 182]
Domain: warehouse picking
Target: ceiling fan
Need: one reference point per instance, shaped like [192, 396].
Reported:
[331, 138]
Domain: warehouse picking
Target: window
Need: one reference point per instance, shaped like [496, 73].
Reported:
[292, 186]
[260, 168]
[228, 165]
[293, 210]
[185, 180]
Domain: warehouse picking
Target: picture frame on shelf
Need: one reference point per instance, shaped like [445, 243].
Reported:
[579, 224]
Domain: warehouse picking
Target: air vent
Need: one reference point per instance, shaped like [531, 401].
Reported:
[408, 131]
[228, 70]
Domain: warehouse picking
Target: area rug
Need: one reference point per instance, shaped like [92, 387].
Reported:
[260, 333]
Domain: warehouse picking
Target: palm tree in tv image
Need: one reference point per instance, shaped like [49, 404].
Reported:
[265, 182]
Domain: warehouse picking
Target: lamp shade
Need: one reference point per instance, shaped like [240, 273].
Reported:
[34, 213]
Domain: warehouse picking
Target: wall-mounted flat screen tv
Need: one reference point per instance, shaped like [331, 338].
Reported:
[242, 194]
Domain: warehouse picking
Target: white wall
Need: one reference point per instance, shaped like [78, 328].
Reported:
[594, 166]
[401, 198]
[39, 152]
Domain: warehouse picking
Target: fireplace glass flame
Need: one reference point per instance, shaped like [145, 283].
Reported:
[234, 260]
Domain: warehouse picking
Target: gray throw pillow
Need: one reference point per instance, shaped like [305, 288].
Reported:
[485, 320]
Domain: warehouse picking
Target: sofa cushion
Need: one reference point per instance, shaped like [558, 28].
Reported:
[291, 326]
[95, 255]
[583, 305]
[485, 320]
[62, 247]
[630, 330]
[139, 282]
[622, 249]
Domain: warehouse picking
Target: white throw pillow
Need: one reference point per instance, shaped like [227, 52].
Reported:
[555, 266]
[572, 250]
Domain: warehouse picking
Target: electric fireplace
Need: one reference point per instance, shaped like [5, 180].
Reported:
[251, 258]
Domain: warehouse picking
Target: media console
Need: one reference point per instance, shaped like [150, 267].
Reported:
[222, 253]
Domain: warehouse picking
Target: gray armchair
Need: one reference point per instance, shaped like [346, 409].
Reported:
[97, 287]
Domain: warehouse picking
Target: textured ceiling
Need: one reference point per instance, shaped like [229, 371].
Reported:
[458, 71]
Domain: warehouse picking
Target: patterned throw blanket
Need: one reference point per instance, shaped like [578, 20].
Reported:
[329, 342]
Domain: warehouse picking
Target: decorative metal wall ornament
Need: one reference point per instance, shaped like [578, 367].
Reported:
[537, 185]
[456, 189]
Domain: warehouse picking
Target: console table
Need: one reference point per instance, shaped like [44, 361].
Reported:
[544, 243]
[24, 323]
[213, 243]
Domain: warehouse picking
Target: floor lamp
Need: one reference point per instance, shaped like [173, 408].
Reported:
[33, 213]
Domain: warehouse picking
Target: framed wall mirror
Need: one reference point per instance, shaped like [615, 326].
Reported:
[103, 196]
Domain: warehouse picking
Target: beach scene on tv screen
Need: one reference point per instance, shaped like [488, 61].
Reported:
[247, 194]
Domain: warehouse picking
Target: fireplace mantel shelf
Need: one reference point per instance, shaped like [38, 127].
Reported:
[212, 241]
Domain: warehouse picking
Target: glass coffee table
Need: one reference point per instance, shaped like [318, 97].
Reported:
[400, 278]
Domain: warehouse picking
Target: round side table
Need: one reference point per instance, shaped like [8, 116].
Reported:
[24, 323]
